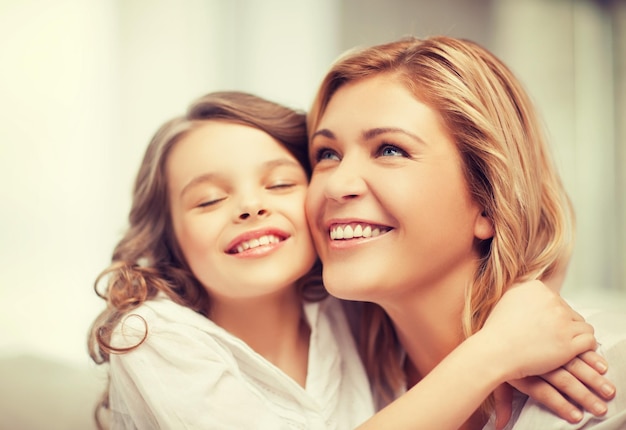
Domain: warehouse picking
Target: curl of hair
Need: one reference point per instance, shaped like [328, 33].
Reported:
[147, 260]
[507, 165]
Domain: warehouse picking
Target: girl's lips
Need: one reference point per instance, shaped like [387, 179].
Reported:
[256, 239]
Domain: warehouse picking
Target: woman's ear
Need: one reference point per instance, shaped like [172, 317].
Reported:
[483, 227]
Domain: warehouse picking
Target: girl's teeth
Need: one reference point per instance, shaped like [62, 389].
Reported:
[254, 243]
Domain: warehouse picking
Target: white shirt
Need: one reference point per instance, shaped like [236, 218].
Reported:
[192, 374]
[610, 331]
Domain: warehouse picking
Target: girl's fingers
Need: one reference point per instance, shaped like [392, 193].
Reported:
[590, 375]
[544, 393]
[595, 360]
[575, 315]
[574, 389]
[503, 405]
[582, 327]
[584, 340]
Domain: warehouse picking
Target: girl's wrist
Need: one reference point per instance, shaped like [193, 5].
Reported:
[488, 359]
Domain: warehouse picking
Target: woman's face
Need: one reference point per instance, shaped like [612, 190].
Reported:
[237, 204]
[388, 203]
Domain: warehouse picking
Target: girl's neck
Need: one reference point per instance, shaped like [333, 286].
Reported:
[273, 326]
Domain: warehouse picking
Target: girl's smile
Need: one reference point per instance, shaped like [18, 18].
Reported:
[256, 243]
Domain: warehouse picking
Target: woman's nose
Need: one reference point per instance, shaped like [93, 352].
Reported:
[346, 181]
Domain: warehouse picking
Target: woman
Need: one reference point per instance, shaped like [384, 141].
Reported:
[433, 191]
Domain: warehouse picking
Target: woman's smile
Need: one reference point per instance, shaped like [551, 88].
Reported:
[356, 231]
[387, 191]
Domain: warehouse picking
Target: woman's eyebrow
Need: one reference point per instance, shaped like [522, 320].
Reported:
[323, 132]
[371, 133]
[374, 132]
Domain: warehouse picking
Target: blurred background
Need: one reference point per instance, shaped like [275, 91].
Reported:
[85, 83]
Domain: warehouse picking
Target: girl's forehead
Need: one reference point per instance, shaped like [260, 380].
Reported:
[221, 149]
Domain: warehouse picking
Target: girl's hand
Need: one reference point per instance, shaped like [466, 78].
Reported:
[579, 382]
[573, 383]
[533, 331]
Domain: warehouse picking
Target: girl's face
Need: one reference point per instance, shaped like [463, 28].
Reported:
[237, 206]
[388, 203]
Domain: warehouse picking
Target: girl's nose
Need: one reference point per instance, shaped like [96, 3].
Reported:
[248, 213]
[251, 205]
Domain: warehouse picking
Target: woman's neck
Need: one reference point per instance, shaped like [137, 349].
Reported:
[273, 326]
[428, 325]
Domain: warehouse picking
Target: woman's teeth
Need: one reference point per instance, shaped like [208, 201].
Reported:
[351, 231]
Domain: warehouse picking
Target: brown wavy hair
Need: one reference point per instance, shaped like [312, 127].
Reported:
[506, 162]
[148, 260]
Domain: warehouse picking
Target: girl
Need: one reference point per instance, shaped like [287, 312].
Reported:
[206, 287]
[432, 192]
[216, 316]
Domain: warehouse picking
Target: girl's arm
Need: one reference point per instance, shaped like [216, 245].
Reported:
[531, 331]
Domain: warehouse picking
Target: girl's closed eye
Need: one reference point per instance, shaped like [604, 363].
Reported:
[281, 185]
[210, 202]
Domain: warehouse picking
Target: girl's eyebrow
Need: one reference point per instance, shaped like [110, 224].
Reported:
[212, 177]
[280, 162]
[200, 179]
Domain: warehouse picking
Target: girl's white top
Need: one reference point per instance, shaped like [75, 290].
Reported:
[190, 373]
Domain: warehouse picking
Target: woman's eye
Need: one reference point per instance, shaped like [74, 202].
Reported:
[387, 150]
[326, 154]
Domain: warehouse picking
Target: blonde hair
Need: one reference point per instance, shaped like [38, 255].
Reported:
[507, 165]
[148, 260]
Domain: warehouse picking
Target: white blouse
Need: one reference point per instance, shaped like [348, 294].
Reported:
[192, 374]
[610, 331]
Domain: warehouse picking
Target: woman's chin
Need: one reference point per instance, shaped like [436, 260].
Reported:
[349, 286]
